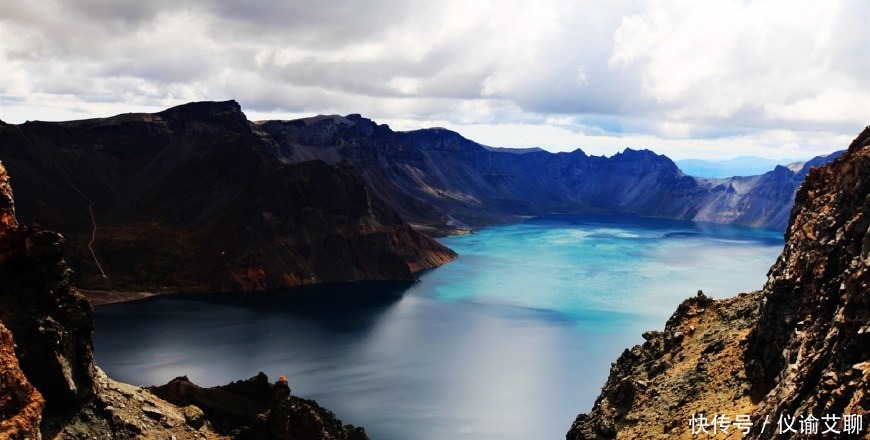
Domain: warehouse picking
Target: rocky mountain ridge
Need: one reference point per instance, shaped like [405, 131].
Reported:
[190, 199]
[51, 388]
[437, 179]
[798, 350]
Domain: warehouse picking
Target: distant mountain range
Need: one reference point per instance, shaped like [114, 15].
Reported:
[738, 166]
[440, 181]
[199, 198]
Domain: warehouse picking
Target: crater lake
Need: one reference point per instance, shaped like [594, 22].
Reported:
[508, 342]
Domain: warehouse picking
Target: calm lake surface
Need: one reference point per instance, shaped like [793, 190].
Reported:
[510, 341]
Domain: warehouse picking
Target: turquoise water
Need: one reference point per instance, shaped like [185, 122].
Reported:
[510, 341]
[578, 264]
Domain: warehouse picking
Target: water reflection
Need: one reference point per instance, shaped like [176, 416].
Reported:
[509, 342]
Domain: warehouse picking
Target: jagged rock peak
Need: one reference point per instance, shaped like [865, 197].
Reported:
[646, 155]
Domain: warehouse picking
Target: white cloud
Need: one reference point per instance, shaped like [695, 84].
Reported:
[672, 72]
[749, 63]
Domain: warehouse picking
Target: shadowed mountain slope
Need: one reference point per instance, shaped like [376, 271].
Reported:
[51, 388]
[191, 199]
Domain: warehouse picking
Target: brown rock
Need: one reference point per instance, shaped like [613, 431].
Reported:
[50, 320]
[193, 416]
[20, 403]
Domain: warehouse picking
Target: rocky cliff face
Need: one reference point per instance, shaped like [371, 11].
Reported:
[51, 323]
[20, 404]
[192, 199]
[46, 328]
[797, 348]
[810, 352]
[765, 200]
[437, 179]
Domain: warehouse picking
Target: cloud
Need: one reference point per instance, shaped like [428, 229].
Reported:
[668, 70]
[762, 63]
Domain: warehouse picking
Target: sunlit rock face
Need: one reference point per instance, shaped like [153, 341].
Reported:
[192, 199]
[797, 348]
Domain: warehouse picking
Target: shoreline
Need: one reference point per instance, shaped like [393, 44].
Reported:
[102, 297]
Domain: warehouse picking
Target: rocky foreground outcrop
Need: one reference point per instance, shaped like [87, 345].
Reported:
[256, 409]
[191, 199]
[51, 388]
[789, 361]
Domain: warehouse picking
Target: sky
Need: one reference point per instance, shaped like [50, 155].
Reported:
[709, 79]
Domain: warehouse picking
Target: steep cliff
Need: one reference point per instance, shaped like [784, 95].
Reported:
[46, 351]
[20, 404]
[765, 200]
[51, 323]
[191, 199]
[810, 352]
[439, 180]
[792, 360]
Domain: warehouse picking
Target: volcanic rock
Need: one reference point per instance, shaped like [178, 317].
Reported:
[20, 404]
[797, 349]
[257, 409]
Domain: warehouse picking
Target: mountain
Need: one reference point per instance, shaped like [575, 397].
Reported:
[190, 199]
[50, 386]
[738, 166]
[798, 350]
[198, 198]
[764, 200]
[440, 181]
[746, 166]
